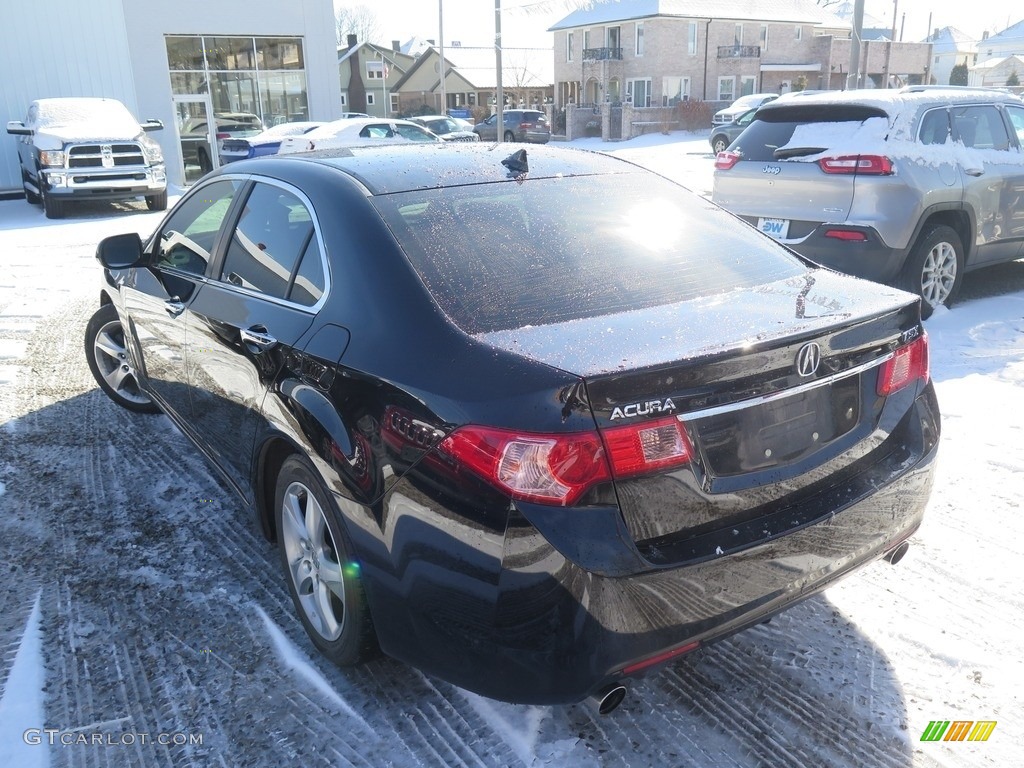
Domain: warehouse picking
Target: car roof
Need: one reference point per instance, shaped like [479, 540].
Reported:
[893, 102]
[389, 168]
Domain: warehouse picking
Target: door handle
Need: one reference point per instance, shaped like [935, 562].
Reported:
[257, 336]
[174, 306]
[974, 171]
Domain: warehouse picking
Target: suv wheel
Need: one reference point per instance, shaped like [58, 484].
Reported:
[322, 576]
[935, 267]
[510, 137]
[719, 144]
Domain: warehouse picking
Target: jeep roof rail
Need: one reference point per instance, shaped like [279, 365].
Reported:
[959, 88]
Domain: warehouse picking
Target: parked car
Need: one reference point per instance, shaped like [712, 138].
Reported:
[724, 135]
[741, 105]
[83, 148]
[195, 141]
[525, 125]
[266, 143]
[531, 448]
[448, 128]
[347, 131]
[911, 188]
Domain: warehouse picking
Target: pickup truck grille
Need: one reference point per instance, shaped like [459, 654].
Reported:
[105, 155]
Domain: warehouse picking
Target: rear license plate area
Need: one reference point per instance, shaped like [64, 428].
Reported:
[777, 228]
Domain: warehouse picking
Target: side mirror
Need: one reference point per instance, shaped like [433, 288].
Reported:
[17, 128]
[120, 251]
[152, 125]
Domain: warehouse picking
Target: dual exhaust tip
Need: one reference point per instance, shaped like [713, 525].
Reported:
[608, 699]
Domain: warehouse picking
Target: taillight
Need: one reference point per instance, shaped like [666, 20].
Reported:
[907, 365]
[550, 469]
[862, 165]
[636, 449]
[525, 126]
[559, 468]
[726, 160]
[223, 135]
[849, 235]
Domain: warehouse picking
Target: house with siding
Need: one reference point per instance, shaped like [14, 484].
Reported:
[369, 74]
[660, 52]
[950, 47]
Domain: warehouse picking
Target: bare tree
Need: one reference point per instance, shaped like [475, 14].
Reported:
[358, 20]
[827, 3]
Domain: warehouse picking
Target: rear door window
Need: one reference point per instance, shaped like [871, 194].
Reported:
[981, 127]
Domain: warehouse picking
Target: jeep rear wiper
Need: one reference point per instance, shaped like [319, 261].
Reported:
[787, 152]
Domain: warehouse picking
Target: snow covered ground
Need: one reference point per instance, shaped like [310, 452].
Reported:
[141, 609]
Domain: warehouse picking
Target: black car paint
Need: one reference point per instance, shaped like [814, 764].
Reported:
[517, 600]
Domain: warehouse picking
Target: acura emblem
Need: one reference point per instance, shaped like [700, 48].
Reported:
[808, 359]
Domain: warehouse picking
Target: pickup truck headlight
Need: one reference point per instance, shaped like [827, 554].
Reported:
[153, 152]
[52, 158]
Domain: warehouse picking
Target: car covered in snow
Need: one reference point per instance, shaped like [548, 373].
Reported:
[359, 130]
[266, 143]
[86, 149]
[448, 128]
[741, 105]
[912, 188]
[531, 448]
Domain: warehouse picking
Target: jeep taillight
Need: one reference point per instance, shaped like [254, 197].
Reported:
[862, 165]
[726, 160]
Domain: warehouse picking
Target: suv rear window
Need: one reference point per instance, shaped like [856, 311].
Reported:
[773, 128]
[501, 256]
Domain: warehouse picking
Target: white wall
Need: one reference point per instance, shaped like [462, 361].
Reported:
[115, 48]
[58, 48]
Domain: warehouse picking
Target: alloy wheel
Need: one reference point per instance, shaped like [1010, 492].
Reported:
[938, 274]
[113, 363]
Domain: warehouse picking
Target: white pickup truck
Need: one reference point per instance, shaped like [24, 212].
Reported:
[88, 148]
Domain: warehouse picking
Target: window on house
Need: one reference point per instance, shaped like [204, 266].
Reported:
[691, 39]
[638, 91]
[747, 85]
[639, 38]
[613, 37]
[586, 39]
[568, 47]
[394, 103]
[798, 32]
[344, 99]
[375, 70]
[674, 90]
[764, 37]
[726, 88]
[370, 100]
[737, 35]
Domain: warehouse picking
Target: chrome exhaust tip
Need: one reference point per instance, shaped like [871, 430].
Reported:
[896, 554]
[607, 699]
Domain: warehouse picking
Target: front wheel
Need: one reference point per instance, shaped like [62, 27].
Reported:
[108, 360]
[323, 577]
[157, 202]
[719, 144]
[53, 206]
[935, 267]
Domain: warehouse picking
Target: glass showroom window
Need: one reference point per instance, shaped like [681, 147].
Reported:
[263, 76]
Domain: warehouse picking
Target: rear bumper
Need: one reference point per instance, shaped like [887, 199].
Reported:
[545, 629]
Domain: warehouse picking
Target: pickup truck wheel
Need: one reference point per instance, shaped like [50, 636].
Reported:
[205, 164]
[30, 196]
[157, 202]
[719, 144]
[53, 207]
[935, 268]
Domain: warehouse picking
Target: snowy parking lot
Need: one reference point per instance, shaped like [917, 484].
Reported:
[144, 621]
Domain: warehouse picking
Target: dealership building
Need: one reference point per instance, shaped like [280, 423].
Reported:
[180, 63]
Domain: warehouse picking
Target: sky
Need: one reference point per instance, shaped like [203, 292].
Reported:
[524, 22]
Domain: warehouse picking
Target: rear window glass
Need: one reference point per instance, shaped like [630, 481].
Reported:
[773, 129]
[508, 255]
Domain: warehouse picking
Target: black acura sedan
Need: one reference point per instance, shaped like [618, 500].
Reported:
[532, 423]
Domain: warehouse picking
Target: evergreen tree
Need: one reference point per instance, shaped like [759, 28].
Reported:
[959, 74]
[1013, 79]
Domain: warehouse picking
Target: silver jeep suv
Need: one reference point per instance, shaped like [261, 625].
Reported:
[912, 188]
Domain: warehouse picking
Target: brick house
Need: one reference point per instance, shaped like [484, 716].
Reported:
[659, 52]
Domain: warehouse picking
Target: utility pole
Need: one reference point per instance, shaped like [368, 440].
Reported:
[500, 95]
[440, 37]
[892, 39]
[858, 31]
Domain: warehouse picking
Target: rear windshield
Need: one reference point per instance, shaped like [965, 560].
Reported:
[773, 129]
[508, 255]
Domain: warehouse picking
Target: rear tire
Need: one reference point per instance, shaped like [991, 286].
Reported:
[205, 164]
[719, 144]
[935, 268]
[322, 575]
[157, 202]
[108, 360]
[510, 137]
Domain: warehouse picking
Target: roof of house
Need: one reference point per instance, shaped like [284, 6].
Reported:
[951, 40]
[521, 67]
[801, 11]
[996, 63]
[1011, 34]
